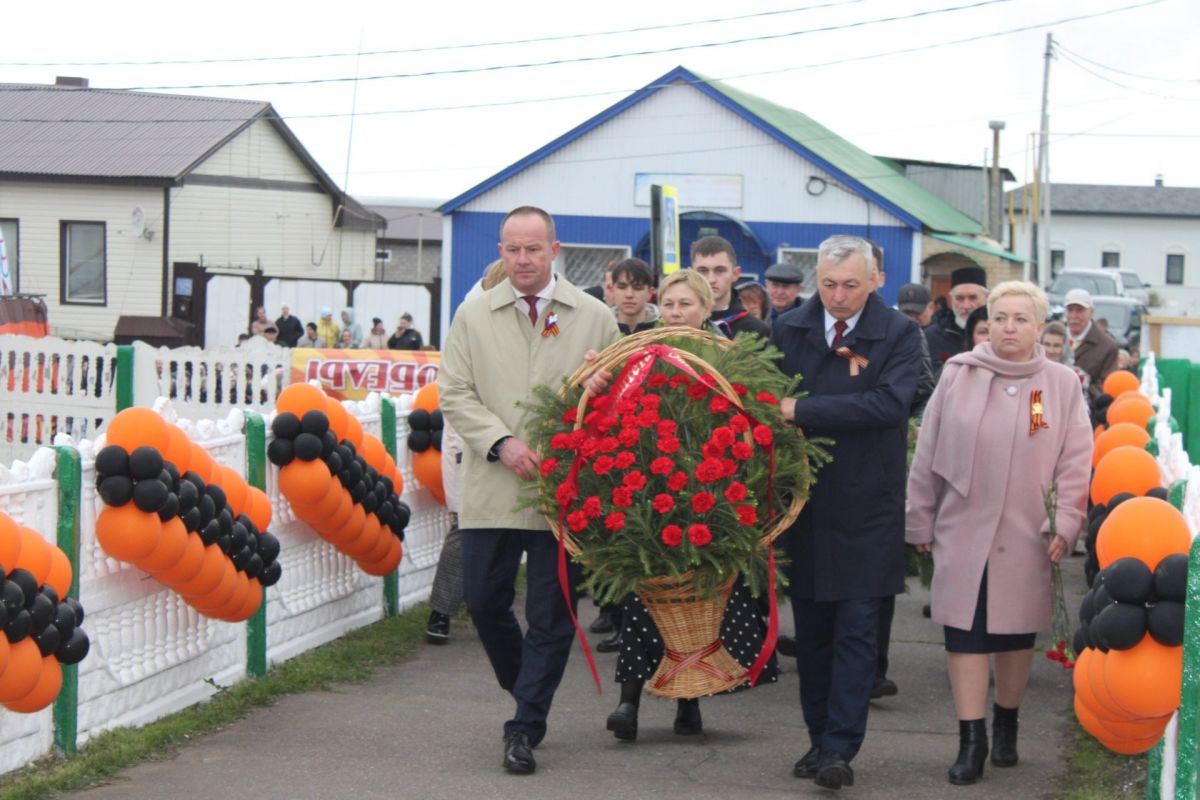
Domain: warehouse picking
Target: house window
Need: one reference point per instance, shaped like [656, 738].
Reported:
[10, 234]
[1174, 268]
[1058, 259]
[806, 260]
[583, 264]
[83, 278]
[1110, 259]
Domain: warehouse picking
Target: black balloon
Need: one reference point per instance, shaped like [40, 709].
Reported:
[420, 420]
[28, 585]
[170, 509]
[1093, 633]
[149, 495]
[225, 542]
[1121, 625]
[238, 536]
[208, 509]
[115, 490]
[112, 460]
[19, 626]
[369, 502]
[358, 491]
[268, 547]
[77, 607]
[218, 496]
[1079, 640]
[419, 440]
[1117, 499]
[334, 462]
[41, 612]
[64, 620]
[435, 420]
[191, 519]
[349, 445]
[315, 422]
[48, 640]
[51, 595]
[436, 440]
[225, 520]
[1086, 612]
[307, 447]
[1098, 510]
[187, 496]
[248, 524]
[210, 532]
[270, 574]
[1128, 580]
[1165, 622]
[241, 558]
[3, 611]
[172, 471]
[355, 471]
[73, 650]
[195, 480]
[1170, 578]
[254, 566]
[145, 463]
[280, 452]
[1101, 599]
[285, 425]
[403, 513]
[329, 443]
[345, 454]
[1159, 492]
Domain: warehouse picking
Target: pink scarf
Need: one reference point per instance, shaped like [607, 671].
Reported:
[962, 412]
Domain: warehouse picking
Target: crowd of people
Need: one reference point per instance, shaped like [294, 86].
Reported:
[288, 331]
[1002, 408]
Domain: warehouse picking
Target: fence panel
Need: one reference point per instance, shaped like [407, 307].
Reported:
[29, 495]
[207, 384]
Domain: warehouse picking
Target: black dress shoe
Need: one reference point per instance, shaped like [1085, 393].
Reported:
[972, 752]
[884, 687]
[437, 629]
[786, 646]
[687, 717]
[806, 767]
[610, 645]
[518, 754]
[623, 722]
[602, 623]
[833, 772]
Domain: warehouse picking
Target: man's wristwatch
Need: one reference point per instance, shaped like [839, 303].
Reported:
[493, 455]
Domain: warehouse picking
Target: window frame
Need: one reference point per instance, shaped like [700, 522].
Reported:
[13, 251]
[559, 265]
[64, 227]
[807, 287]
[1116, 254]
[1182, 268]
[1057, 266]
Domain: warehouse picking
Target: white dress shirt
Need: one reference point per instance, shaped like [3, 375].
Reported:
[543, 296]
[830, 321]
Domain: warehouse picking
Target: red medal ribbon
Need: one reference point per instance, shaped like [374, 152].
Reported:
[1036, 412]
[857, 362]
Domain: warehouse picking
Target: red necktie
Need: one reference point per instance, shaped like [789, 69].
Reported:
[839, 328]
[531, 301]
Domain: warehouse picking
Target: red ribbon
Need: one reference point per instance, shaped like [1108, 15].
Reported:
[695, 659]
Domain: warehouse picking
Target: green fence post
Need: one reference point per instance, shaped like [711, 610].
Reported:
[1185, 761]
[70, 485]
[391, 581]
[256, 476]
[124, 376]
[1154, 765]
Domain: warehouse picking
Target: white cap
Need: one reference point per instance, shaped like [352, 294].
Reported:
[1078, 297]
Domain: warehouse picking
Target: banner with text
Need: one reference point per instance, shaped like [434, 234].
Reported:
[352, 374]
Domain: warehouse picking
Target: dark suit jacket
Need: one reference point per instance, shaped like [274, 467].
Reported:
[1097, 356]
[849, 540]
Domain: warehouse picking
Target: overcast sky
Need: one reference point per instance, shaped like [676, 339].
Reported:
[933, 103]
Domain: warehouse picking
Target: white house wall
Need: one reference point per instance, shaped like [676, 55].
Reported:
[678, 129]
[133, 263]
[257, 152]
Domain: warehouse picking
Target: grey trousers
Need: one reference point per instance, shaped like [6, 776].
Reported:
[447, 593]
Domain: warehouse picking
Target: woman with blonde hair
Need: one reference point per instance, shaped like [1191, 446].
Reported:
[1004, 425]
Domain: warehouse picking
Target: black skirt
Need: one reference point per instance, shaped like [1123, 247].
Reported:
[978, 640]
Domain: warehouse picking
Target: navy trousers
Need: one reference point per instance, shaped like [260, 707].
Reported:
[836, 643]
[529, 665]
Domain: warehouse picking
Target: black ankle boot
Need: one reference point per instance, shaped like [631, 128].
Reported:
[687, 717]
[1004, 736]
[623, 722]
[972, 752]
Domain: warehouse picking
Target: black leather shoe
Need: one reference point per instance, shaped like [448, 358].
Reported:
[610, 645]
[806, 767]
[833, 772]
[786, 646]
[602, 623]
[437, 629]
[884, 687]
[972, 752]
[1004, 736]
[624, 721]
[687, 718]
[518, 754]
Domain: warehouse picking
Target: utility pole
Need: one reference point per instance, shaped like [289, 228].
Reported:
[995, 190]
[1038, 254]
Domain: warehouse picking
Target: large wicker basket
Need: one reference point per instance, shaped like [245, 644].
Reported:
[696, 663]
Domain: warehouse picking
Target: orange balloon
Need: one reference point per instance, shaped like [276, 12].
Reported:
[1145, 680]
[426, 397]
[235, 487]
[1135, 408]
[360, 547]
[10, 542]
[170, 548]
[187, 567]
[1131, 747]
[260, 509]
[1099, 429]
[138, 427]
[1089, 721]
[386, 564]
[373, 451]
[211, 573]
[323, 507]
[49, 684]
[1145, 528]
[35, 554]
[299, 399]
[381, 546]
[305, 481]
[354, 431]
[251, 603]
[201, 463]
[179, 448]
[4, 653]
[60, 575]
[127, 533]
[345, 508]
[338, 417]
[1120, 381]
[1122, 434]
[1105, 705]
[398, 481]
[241, 589]
[212, 602]
[1124, 469]
[23, 671]
[427, 469]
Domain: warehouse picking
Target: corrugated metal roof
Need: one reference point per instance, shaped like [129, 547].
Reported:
[99, 133]
[983, 247]
[409, 222]
[1144, 201]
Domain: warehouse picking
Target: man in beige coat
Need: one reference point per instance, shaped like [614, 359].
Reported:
[533, 328]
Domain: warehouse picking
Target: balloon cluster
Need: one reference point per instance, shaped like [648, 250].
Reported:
[339, 479]
[1128, 601]
[1121, 401]
[192, 524]
[40, 625]
[425, 440]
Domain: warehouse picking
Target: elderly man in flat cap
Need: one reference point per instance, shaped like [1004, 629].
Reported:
[784, 282]
[968, 291]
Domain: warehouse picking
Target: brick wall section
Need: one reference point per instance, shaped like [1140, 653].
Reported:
[998, 269]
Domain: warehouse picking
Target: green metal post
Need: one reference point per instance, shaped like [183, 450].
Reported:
[1185, 762]
[124, 377]
[70, 485]
[391, 581]
[1154, 765]
[256, 476]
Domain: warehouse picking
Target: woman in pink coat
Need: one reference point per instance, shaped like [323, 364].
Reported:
[1003, 424]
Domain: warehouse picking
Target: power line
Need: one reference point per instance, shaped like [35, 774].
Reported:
[433, 48]
[1058, 46]
[1068, 57]
[580, 59]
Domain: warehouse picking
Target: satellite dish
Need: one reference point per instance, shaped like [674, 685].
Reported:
[139, 221]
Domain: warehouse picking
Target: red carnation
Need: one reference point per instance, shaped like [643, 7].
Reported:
[648, 418]
[741, 450]
[622, 497]
[666, 427]
[697, 391]
[680, 380]
[766, 397]
[570, 415]
[628, 437]
[739, 389]
[738, 423]
[603, 465]
[578, 438]
[608, 444]
[728, 467]
[625, 459]
[606, 423]
[589, 447]
[661, 465]
[547, 466]
[763, 435]
[577, 521]
[699, 535]
[735, 492]
[719, 404]
[598, 402]
[723, 436]
[657, 380]
[627, 406]
[672, 535]
[663, 503]
[561, 441]
[668, 444]
[635, 480]
[615, 521]
[709, 470]
[703, 502]
[711, 450]
[677, 481]
[565, 493]
[591, 507]
[649, 402]
[747, 515]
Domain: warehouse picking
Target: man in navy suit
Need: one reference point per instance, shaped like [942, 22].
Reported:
[860, 362]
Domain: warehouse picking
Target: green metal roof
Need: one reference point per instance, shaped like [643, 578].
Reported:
[871, 172]
[971, 244]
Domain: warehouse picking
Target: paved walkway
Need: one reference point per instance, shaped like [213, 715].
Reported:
[430, 728]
